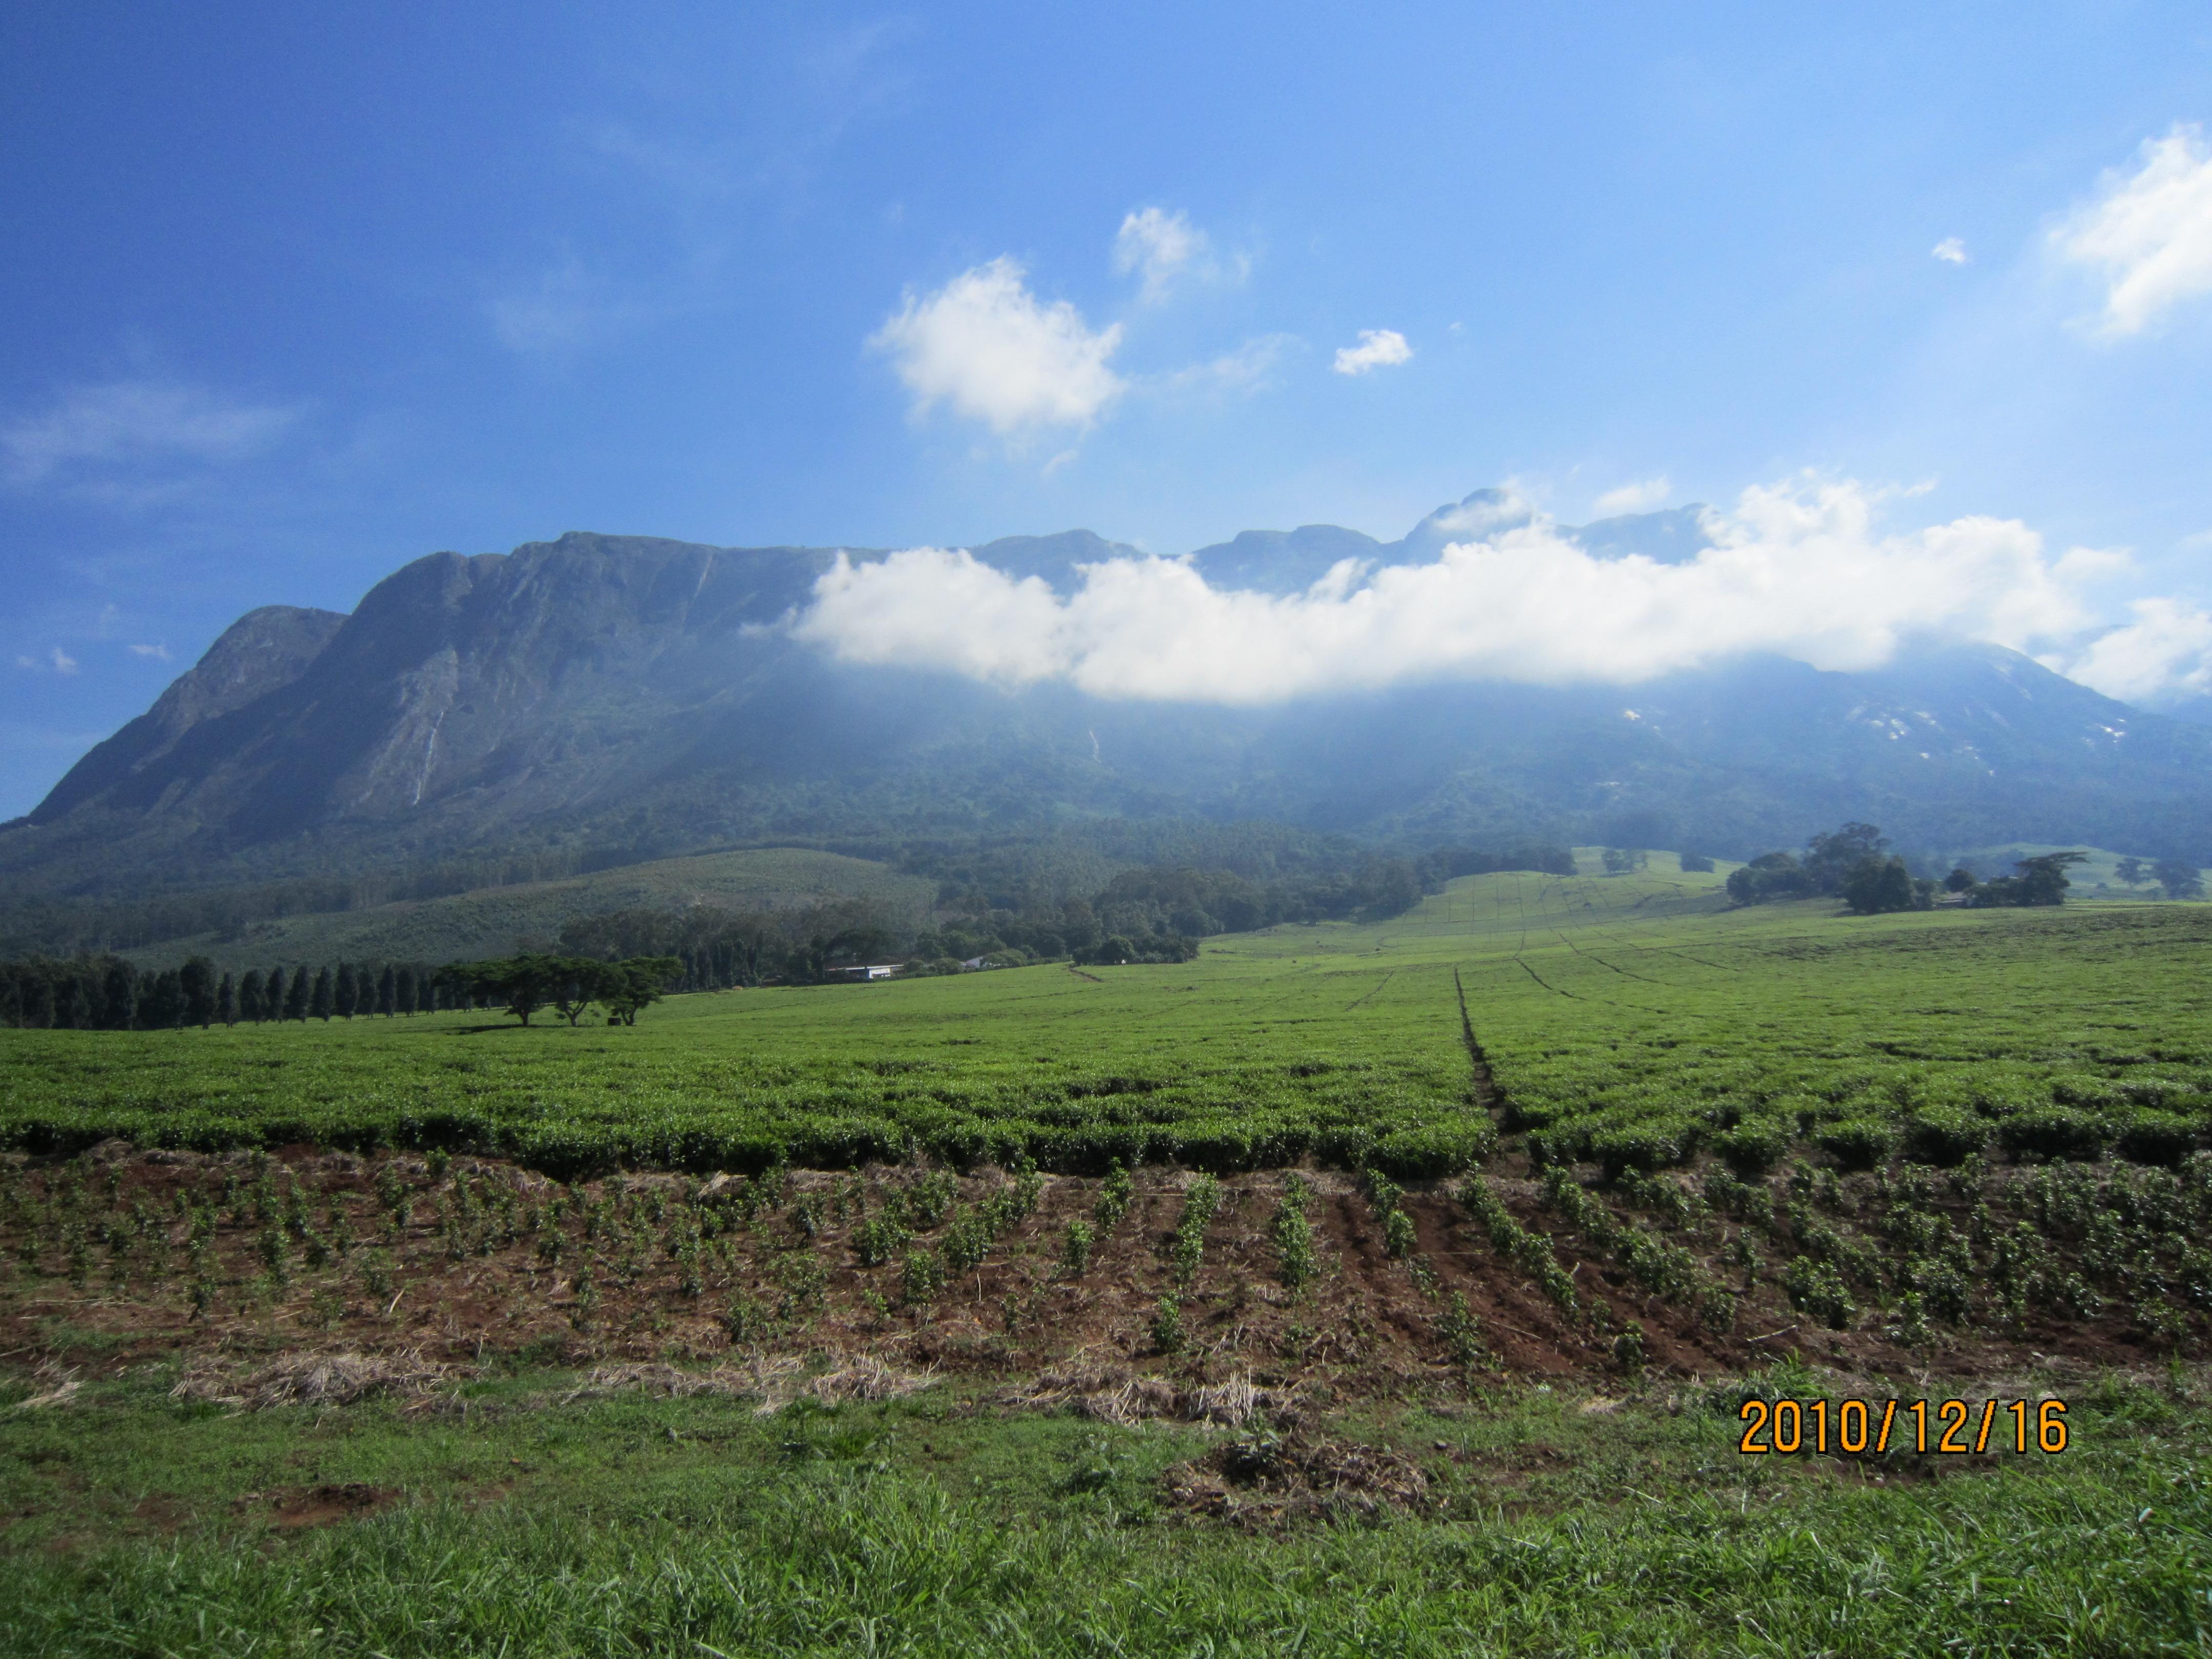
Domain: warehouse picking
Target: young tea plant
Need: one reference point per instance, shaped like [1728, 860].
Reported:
[1384, 1194]
[1115, 1194]
[1075, 1249]
[1201, 1201]
[1291, 1234]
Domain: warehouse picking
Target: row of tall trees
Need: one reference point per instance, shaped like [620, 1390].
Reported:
[107, 994]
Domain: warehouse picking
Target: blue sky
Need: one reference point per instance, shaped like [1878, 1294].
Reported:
[295, 295]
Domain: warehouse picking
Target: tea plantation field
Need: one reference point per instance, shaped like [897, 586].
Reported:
[1631, 1020]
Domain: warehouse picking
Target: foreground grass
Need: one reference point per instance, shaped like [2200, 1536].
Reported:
[543, 1524]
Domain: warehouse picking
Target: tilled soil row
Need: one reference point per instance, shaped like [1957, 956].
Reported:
[127, 1256]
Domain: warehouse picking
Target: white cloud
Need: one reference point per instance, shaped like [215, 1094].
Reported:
[1377, 348]
[1639, 497]
[1797, 568]
[156, 652]
[1951, 250]
[135, 421]
[1166, 248]
[1158, 245]
[2150, 231]
[983, 344]
[2094, 564]
[2163, 655]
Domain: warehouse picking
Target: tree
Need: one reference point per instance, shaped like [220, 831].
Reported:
[2180, 878]
[251, 992]
[161, 1005]
[2036, 881]
[1959, 880]
[273, 1007]
[2043, 880]
[119, 1000]
[346, 993]
[321, 999]
[387, 991]
[627, 988]
[578, 986]
[1830, 858]
[403, 989]
[1770, 875]
[295, 996]
[197, 980]
[226, 1002]
[1619, 861]
[2131, 872]
[1878, 885]
[522, 984]
[1695, 864]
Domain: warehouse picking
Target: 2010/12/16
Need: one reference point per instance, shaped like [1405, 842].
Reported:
[1795, 1425]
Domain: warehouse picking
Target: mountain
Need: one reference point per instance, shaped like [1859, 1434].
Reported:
[606, 699]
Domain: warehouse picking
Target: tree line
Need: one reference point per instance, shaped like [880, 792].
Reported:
[107, 994]
[1853, 864]
[1151, 913]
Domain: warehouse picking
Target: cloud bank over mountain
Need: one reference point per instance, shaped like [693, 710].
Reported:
[1800, 569]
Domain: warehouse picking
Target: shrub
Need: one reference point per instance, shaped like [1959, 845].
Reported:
[1075, 1249]
[1752, 1148]
[2153, 1136]
[1816, 1288]
[921, 1278]
[1646, 1146]
[1462, 1334]
[1167, 1325]
[2054, 1132]
[1293, 1236]
[1945, 1137]
[1860, 1143]
[1115, 1197]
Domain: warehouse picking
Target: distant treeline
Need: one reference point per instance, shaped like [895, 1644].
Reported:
[1853, 864]
[1153, 914]
[107, 994]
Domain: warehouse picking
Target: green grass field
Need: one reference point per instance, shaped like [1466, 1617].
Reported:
[1961, 1145]
[631, 1524]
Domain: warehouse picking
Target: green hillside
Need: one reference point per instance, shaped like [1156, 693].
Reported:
[496, 920]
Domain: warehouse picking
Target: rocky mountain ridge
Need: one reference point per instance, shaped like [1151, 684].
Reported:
[634, 695]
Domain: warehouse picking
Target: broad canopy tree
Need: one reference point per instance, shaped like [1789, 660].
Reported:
[570, 985]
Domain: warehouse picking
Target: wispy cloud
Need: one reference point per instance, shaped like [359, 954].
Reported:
[2149, 231]
[564, 308]
[987, 348]
[1379, 348]
[153, 652]
[1951, 250]
[1245, 369]
[1165, 247]
[1799, 569]
[1639, 497]
[55, 661]
[1157, 244]
[127, 422]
